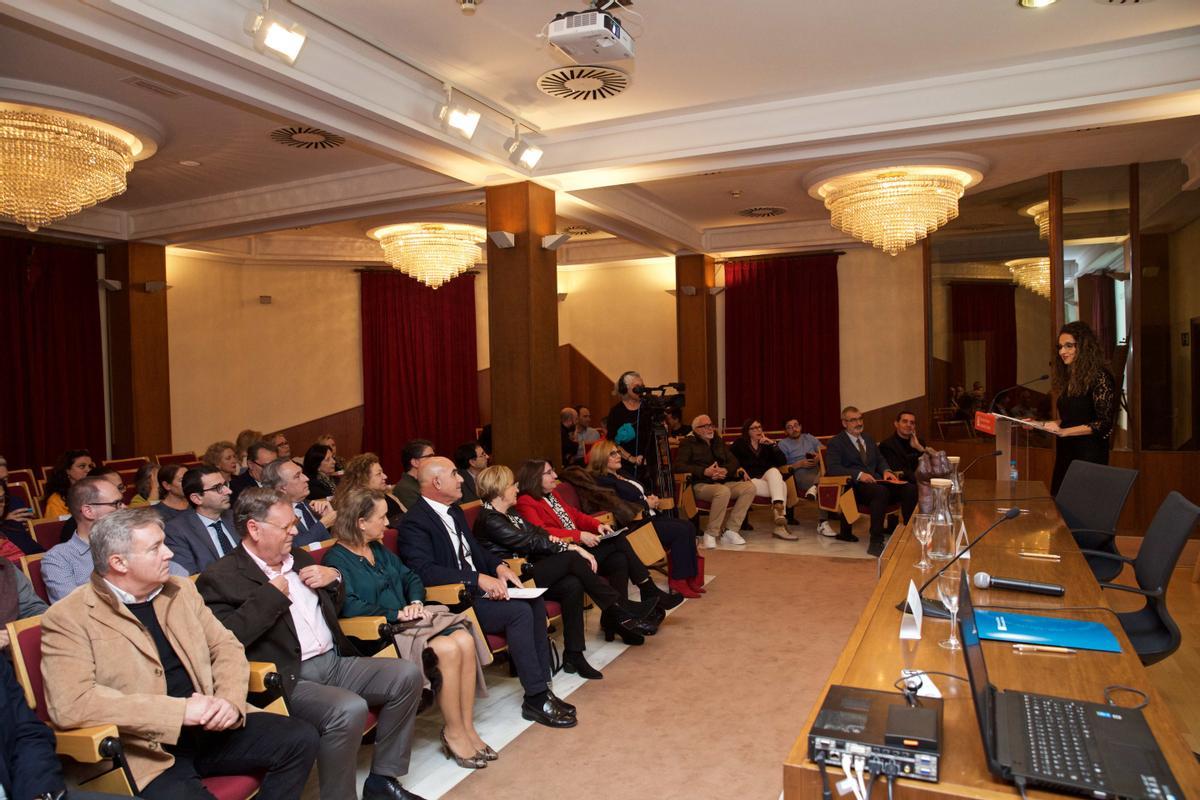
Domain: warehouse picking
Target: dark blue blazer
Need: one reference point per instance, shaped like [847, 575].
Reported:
[842, 458]
[191, 541]
[28, 765]
[427, 549]
[316, 530]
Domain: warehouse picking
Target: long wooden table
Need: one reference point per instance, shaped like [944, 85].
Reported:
[874, 655]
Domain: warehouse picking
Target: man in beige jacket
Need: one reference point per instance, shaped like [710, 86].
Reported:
[137, 647]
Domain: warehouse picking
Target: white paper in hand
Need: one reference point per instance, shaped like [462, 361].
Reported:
[525, 594]
[910, 623]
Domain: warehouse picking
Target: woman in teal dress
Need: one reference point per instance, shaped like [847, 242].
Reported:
[378, 584]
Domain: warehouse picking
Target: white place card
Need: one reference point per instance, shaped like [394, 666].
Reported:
[910, 623]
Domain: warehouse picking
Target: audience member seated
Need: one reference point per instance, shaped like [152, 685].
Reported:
[378, 584]
[312, 517]
[408, 488]
[223, 456]
[470, 459]
[258, 455]
[437, 544]
[283, 607]
[170, 489]
[180, 705]
[676, 428]
[329, 441]
[201, 536]
[71, 467]
[563, 568]
[716, 478]
[365, 472]
[241, 446]
[15, 540]
[145, 485]
[28, 764]
[566, 432]
[68, 565]
[616, 560]
[677, 536]
[282, 447]
[902, 450]
[761, 458]
[18, 600]
[801, 450]
[318, 468]
[585, 434]
[853, 453]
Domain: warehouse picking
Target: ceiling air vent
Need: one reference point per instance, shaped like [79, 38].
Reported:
[578, 230]
[583, 83]
[307, 138]
[151, 86]
[760, 212]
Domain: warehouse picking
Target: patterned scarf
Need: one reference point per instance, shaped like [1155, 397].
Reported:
[560, 512]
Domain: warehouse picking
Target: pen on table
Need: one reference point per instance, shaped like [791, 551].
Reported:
[1004, 510]
[1042, 648]
[1046, 556]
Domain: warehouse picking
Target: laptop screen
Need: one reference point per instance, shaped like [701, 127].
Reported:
[981, 688]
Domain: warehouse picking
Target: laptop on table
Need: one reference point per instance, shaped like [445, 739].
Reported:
[1073, 746]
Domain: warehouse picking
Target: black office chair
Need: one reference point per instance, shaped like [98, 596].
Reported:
[1090, 500]
[1151, 630]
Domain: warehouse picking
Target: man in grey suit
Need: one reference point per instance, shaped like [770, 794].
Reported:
[311, 517]
[206, 533]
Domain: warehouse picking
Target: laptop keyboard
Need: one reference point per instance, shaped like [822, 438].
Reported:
[1061, 747]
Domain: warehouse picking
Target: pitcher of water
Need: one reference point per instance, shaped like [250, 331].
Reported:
[941, 546]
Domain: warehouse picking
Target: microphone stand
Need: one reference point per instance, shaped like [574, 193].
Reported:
[934, 608]
[997, 395]
[976, 460]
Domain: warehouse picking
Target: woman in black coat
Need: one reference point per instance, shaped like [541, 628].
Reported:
[564, 569]
[1087, 401]
[762, 459]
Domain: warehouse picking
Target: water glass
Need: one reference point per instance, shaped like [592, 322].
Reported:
[948, 586]
[922, 528]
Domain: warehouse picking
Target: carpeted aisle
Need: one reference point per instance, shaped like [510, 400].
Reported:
[710, 706]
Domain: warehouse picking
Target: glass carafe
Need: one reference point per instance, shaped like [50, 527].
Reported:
[941, 546]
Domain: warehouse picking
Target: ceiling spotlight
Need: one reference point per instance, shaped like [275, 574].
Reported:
[468, 6]
[523, 154]
[1035, 3]
[274, 35]
[458, 118]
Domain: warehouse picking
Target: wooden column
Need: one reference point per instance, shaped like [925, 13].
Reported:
[137, 350]
[696, 326]
[523, 325]
[1057, 307]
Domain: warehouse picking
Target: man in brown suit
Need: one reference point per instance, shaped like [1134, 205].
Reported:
[137, 647]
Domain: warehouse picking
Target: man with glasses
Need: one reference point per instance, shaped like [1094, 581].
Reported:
[312, 516]
[204, 534]
[258, 455]
[717, 478]
[69, 565]
[283, 607]
[408, 488]
[853, 453]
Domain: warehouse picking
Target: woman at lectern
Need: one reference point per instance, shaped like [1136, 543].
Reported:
[1087, 401]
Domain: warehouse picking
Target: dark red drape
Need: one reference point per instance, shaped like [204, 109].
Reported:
[420, 376]
[1098, 308]
[781, 341]
[50, 352]
[987, 311]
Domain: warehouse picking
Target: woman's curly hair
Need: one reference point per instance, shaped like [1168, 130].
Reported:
[1083, 373]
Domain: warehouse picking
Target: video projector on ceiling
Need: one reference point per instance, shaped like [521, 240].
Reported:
[588, 37]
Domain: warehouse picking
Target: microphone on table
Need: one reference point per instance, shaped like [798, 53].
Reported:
[996, 397]
[934, 608]
[977, 459]
[984, 581]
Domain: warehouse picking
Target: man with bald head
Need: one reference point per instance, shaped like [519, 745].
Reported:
[716, 477]
[437, 544]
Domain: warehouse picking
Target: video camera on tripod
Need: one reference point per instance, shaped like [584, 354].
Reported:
[657, 401]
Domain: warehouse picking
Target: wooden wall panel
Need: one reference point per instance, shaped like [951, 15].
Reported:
[878, 422]
[346, 427]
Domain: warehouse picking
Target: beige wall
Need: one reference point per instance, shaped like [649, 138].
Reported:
[238, 364]
[1033, 339]
[1184, 254]
[881, 318]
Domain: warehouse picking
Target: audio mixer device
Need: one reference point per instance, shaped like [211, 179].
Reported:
[883, 734]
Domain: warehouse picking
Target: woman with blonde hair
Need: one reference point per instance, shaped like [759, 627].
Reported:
[378, 584]
[365, 472]
[222, 456]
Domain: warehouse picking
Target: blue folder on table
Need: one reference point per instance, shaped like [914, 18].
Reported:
[1004, 626]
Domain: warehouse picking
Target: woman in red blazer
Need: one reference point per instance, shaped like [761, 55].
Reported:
[540, 505]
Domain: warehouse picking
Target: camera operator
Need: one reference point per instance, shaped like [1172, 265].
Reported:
[631, 428]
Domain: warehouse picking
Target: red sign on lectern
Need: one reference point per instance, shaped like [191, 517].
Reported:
[985, 423]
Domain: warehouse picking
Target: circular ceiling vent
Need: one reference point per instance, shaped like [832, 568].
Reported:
[760, 212]
[578, 230]
[307, 138]
[583, 83]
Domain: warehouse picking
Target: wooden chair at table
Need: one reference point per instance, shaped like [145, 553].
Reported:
[100, 743]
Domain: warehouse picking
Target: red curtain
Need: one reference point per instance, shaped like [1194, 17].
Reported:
[987, 311]
[420, 376]
[1098, 308]
[782, 357]
[50, 346]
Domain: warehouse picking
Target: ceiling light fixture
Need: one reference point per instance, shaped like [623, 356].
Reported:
[1041, 215]
[275, 36]
[1035, 3]
[458, 118]
[895, 205]
[54, 164]
[1032, 274]
[522, 153]
[431, 252]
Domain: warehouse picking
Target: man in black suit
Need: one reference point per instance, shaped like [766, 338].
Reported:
[902, 450]
[204, 534]
[470, 459]
[311, 517]
[283, 607]
[852, 452]
[258, 455]
[436, 542]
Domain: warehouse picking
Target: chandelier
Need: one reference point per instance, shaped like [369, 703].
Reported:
[54, 164]
[431, 252]
[1041, 215]
[1032, 274]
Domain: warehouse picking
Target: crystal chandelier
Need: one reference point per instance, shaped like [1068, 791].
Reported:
[54, 164]
[431, 252]
[1032, 274]
[1041, 215]
[894, 207]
